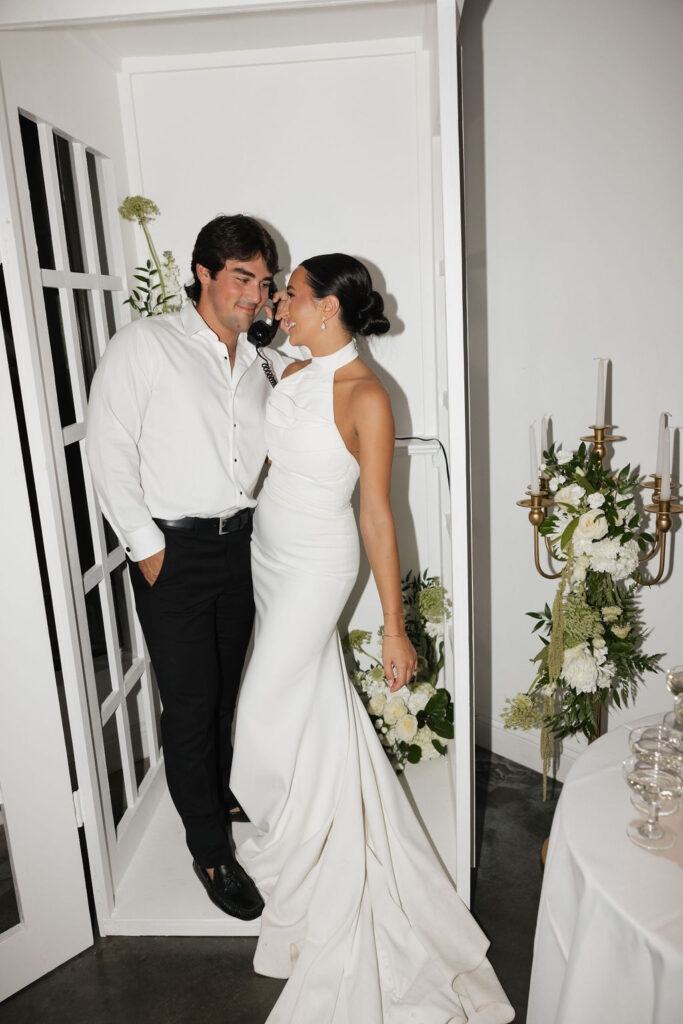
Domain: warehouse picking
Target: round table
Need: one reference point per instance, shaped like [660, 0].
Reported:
[609, 936]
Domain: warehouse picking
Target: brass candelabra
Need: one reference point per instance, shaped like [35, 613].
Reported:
[663, 509]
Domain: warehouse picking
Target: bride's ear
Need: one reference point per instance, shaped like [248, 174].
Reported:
[329, 306]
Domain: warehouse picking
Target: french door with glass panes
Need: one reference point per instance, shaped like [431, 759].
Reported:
[72, 262]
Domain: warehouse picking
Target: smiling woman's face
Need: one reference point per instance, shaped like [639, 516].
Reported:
[235, 295]
[301, 314]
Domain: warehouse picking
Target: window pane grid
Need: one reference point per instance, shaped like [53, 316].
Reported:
[79, 254]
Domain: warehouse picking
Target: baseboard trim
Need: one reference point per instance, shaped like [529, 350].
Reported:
[522, 747]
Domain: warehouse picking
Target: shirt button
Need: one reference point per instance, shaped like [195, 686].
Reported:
[128, 550]
[234, 460]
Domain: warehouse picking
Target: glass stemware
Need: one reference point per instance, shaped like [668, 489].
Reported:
[674, 684]
[657, 744]
[652, 784]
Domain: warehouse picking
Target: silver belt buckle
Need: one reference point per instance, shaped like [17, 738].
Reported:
[222, 522]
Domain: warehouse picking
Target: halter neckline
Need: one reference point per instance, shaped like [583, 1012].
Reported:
[332, 362]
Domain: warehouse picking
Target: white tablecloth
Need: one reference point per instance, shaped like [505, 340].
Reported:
[609, 936]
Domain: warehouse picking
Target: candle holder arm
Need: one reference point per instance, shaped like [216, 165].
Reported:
[537, 561]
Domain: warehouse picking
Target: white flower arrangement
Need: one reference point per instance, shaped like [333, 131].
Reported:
[591, 651]
[413, 723]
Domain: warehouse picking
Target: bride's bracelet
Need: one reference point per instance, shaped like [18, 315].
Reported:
[393, 636]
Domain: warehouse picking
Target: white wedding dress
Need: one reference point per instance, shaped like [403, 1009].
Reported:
[359, 914]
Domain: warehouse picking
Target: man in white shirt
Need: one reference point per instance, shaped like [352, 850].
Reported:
[176, 445]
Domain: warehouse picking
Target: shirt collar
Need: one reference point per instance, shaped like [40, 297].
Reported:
[193, 324]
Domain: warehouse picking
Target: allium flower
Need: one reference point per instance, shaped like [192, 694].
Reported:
[432, 603]
[570, 495]
[139, 208]
[596, 500]
[406, 727]
[579, 669]
[394, 709]
[357, 639]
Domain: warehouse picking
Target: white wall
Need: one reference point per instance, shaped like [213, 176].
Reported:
[574, 211]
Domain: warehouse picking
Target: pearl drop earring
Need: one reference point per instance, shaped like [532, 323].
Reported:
[323, 325]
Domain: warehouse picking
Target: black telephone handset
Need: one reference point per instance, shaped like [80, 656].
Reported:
[261, 334]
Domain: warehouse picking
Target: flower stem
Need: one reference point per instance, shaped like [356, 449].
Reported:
[156, 264]
[370, 656]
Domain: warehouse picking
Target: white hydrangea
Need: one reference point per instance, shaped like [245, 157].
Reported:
[617, 559]
[434, 629]
[579, 669]
[423, 737]
[419, 697]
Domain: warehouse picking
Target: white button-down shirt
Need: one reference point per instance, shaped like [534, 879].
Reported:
[172, 430]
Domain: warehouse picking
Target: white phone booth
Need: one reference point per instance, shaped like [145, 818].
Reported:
[335, 123]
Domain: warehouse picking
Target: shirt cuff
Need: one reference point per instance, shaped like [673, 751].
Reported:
[144, 542]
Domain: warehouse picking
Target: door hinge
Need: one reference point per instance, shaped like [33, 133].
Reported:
[78, 810]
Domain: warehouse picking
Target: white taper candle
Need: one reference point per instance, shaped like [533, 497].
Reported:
[665, 492]
[601, 394]
[533, 461]
[660, 442]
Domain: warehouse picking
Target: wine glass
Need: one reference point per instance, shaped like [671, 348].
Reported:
[674, 684]
[653, 784]
[656, 744]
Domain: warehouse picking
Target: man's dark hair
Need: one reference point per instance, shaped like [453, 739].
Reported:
[237, 237]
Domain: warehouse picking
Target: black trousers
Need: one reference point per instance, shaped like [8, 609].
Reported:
[197, 620]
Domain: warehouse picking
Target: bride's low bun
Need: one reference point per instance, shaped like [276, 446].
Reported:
[361, 308]
[370, 316]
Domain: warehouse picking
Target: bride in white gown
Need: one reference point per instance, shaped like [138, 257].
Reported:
[359, 914]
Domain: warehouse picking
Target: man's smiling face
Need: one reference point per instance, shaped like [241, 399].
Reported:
[232, 298]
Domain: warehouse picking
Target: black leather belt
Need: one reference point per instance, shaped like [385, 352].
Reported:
[217, 525]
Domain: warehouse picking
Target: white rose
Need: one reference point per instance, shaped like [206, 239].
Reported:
[394, 709]
[596, 500]
[579, 669]
[406, 727]
[377, 704]
[592, 526]
[563, 457]
[570, 495]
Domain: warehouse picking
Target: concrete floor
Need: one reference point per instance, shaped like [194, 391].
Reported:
[208, 980]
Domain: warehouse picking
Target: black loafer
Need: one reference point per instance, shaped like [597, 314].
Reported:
[231, 890]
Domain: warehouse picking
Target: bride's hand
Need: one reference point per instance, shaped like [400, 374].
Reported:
[399, 660]
[278, 311]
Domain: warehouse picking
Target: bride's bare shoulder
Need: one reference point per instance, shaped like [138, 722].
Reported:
[294, 367]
